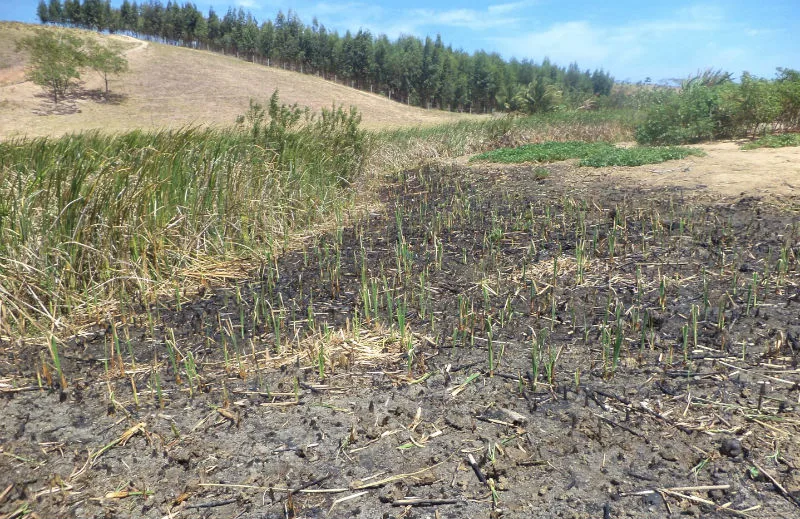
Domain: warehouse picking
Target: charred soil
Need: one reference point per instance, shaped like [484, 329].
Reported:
[491, 343]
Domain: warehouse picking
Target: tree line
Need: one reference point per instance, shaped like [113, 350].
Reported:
[424, 73]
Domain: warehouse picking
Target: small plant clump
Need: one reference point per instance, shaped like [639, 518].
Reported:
[540, 173]
[594, 154]
[774, 141]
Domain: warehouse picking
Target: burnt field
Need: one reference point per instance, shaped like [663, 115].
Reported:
[489, 342]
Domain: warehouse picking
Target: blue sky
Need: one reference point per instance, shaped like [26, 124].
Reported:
[631, 39]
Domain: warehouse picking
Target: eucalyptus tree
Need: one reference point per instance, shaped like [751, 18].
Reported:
[43, 12]
[55, 12]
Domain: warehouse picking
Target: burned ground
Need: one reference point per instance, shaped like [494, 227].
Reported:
[596, 349]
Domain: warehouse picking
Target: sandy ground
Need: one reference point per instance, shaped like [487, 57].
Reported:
[726, 170]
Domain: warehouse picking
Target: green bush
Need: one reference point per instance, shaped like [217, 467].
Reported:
[684, 117]
[710, 106]
[544, 152]
[760, 105]
[774, 141]
[788, 89]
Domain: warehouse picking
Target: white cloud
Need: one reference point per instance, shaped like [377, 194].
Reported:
[326, 8]
[468, 18]
[563, 42]
[347, 16]
[643, 44]
[507, 8]
[762, 33]
[397, 22]
[708, 13]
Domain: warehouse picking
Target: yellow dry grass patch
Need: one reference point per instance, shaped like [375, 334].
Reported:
[170, 87]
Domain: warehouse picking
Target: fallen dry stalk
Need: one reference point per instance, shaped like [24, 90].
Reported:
[359, 485]
[122, 440]
[775, 482]
[346, 498]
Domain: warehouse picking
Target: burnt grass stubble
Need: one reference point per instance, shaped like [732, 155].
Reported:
[664, 323]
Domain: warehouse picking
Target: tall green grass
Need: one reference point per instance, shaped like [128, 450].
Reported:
[91, 215]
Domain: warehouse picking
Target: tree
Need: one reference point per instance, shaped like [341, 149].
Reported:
[539, 96]
[106, 60]
[127, 16]
[248, 38]
[602, 83]
[72, 12]
[358, 54]
[55, 60]
[213, 24]
[429, 81]
[788, 85]
[43, 12]
[195, 29]
[55, 11]
[172, 22]
[266, 40]
[93, 15]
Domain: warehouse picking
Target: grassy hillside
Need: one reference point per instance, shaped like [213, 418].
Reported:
[174, 87]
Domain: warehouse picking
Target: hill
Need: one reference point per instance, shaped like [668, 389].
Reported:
[170, 87]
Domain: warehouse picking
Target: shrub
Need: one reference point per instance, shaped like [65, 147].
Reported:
[710, 106]
[544, 152]
[637, 156]
[540, 96]
[683, 117]
[760, 105]
[774, 141]
[788, 90]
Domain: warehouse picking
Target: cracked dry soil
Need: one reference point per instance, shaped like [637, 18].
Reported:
[599, 350]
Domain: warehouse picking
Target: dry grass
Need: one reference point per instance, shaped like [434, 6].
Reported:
[11, 60]
[170, 87]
